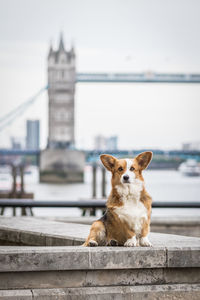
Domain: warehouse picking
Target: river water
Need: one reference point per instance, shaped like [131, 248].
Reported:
[163, 185]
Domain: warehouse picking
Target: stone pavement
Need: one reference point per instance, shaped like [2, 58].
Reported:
[168, 270]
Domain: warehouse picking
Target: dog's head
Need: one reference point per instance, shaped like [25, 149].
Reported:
[126, 171]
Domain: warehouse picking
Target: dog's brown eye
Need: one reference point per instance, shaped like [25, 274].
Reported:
[120, 169]
[132, 169]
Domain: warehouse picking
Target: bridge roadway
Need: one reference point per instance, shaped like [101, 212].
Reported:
[150, 77]
[93, 155]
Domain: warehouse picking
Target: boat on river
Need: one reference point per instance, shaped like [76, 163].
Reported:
[190, 168]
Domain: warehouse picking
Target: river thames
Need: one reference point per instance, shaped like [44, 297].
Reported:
[163, 185]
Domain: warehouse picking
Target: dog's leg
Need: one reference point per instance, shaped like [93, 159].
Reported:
[144, 241]
[97, 235]
[132, 242]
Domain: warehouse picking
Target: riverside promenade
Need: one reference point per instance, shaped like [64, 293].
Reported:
[43, 259]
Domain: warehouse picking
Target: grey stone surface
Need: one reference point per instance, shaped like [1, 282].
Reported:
[120, 258]
[153, 292]
[16, 294]
[175, 292]
[81, 278]
[14, 259]
[30, 231]
[87, 278]
[186, 230]
[44, 232]
[48, 294]
[183, 257]
[162, 220]
[9, 235]
[167, 251]
[171, 240]
[181, 225]
[181, 275]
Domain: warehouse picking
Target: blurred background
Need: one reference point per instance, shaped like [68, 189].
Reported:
[81, 78]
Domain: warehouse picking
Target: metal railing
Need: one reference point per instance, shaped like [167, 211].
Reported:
[92, 203]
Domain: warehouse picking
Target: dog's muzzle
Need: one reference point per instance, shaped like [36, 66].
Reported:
[126, 178]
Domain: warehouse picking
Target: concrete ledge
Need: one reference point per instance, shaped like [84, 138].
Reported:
[168, 250]
[170, 269]
[181, 225]
[18, 259]
[30, 231]
[161, 292]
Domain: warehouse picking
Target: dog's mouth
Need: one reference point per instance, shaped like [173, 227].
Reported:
[126, 181]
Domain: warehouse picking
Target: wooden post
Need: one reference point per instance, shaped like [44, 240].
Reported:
[94, 187]
[22, 179]
[14, 189]
[94, 181]
[14, 175]
[103, 186]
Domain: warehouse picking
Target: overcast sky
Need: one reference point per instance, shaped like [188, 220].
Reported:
[118, 35]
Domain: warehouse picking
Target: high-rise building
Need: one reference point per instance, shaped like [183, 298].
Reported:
[33, 134]
[100, 142]
[105, 143]
[112, 143]
[17, 143]
[61, 89]
[191, 146]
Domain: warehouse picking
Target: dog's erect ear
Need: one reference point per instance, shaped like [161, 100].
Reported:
[108, 161]
[144, 159]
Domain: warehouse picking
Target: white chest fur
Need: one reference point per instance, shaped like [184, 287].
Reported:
[133, 210]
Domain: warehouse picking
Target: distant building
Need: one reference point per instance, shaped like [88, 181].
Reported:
[112, 143]
[191, 146]
[105, 143]
[61, 83]
[33, 134]
[17, 143]
[100, 142]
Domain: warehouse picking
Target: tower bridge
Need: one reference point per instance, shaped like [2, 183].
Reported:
[60, 157]
[145, 77]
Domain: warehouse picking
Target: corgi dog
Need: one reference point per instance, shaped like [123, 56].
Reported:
[127, 218]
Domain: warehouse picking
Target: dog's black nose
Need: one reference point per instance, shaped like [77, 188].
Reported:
[126, 177]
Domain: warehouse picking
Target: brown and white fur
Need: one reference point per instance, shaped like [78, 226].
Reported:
[127, 219]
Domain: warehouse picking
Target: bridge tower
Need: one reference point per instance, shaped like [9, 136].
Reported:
[61, 89]
[60, 162]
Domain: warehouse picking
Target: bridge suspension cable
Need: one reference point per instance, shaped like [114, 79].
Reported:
[10, 117]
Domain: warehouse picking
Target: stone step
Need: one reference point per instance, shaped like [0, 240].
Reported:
[172, 261]
[161, 292]
[93, 278]
[54, 267]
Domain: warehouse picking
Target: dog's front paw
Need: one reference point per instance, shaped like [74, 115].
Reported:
[112, 243]
[92, 243]
[131, 242]
[144, 242]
